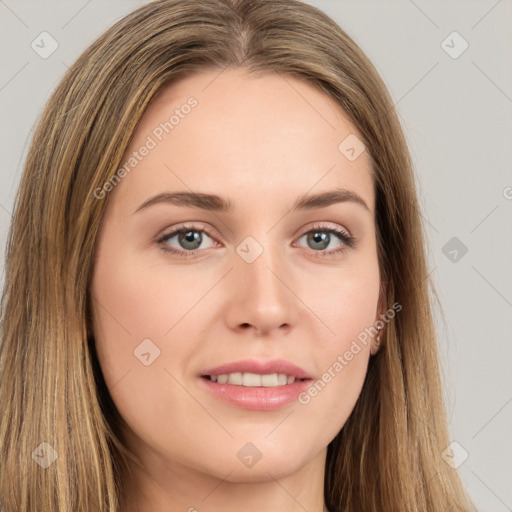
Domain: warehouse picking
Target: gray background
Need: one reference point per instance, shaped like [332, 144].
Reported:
[457, 116]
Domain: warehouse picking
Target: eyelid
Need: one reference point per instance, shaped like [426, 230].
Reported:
[192, 226]
[327, 226]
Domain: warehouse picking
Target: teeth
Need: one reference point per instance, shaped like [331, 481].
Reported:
[249, 380]
[236, 378]
[269, 380]
[252, 380]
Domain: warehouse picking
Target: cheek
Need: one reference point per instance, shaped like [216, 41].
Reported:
[346, 302]
[136, 316]
[347, 307]
[145, 330]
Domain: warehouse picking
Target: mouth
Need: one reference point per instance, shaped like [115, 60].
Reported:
[254, 385]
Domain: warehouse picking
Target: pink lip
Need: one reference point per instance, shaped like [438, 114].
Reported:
[257, 398]
[262, 368]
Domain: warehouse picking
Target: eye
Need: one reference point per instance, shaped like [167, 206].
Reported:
[186, 240]
[324, 237]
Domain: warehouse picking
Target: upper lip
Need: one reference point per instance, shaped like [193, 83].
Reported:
[259, 367]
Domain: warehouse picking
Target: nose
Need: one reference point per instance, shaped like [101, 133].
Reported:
[261, 295]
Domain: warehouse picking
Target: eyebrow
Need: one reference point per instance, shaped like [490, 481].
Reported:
[218, 204]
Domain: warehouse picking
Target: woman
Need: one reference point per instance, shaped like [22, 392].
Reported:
[226, 296]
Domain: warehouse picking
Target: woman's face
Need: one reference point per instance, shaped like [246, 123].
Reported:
[257, 275]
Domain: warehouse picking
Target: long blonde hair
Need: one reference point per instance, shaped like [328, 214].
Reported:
[387, 457]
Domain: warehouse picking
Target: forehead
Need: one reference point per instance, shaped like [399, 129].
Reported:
[246, 132]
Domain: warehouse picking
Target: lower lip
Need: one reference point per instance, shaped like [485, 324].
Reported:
[257, 398]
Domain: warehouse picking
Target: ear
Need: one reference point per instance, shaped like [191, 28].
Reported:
[381, 310]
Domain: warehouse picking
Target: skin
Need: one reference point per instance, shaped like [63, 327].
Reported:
[260, 141]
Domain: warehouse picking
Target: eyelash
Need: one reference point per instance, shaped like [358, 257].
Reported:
[348, 241]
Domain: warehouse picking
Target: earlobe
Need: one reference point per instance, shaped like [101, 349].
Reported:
[381, 308]
[376, 342]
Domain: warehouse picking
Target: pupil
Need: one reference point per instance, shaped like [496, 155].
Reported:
[190, 239]
[319, 237]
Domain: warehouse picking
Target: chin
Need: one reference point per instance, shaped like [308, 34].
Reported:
[261, 472]
[264, 463]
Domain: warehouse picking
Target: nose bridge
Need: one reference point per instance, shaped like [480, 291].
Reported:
[262, 299]
[259, 264]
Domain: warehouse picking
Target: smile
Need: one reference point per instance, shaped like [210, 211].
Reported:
[256, 385]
